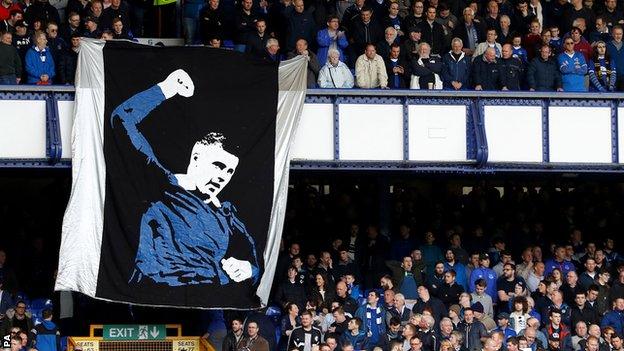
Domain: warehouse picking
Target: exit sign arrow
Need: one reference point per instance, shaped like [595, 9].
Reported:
[154, 332]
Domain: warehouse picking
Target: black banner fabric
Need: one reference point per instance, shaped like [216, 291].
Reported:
[189, 145]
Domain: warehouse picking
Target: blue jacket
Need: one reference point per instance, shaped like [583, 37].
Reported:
[573, 69]
[359, 342]
[456, 71]
[324, 41]
[38, 64]
[47, 336]
[614, 319]
[617, 56]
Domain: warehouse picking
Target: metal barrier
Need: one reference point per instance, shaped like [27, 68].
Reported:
[416, 130]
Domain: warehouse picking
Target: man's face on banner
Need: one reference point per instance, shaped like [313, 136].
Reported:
[211, 168]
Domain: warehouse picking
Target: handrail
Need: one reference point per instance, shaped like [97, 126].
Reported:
[379, 93]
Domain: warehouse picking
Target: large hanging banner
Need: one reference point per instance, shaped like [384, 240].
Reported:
[180, 174]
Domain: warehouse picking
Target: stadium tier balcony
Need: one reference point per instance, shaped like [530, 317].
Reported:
[427, 131]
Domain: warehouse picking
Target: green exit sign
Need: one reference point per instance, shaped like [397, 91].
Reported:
[134, 332]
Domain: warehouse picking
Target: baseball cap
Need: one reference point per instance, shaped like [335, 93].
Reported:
[503, 315]
[477, 307]
[484, 256]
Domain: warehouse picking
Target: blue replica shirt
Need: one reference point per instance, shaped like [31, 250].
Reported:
[564, 266]
[489, 276]
[573, 69]
[182, 239]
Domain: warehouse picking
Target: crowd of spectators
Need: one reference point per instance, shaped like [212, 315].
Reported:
[522, 270]
[537, 45]
[441, 267]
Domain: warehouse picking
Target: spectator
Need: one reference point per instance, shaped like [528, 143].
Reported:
[406, 276]
[602, 70]
[70, 27]
[69, 61]
[373, 317]
[473, 331]
[234, 336]
[571, 287]
[39, 62]
[313, 64]
[431, 253]
[426, 75]
[47, 333]
[253, 341]
[91, 28]
[470, 32]
[289, 322]
[365, 31]
[211, 21]
[490, 42]
[16, 318]
[8, 25]
[452, 264]
[300, 23]
[426, 301]
[573, 68]
[370, 70]
[383, 47]
[417, 15]
[56, 44]
[559, 261]
[271, 52]
[10, 73]
[354, 336]
[351, 14]
[120, 9]
[449, 291]
[398, 69]
[21, 39]
[394, 19]
[410, 45]
[433, 32]
[601, 32]
[6, 7]
[120, 32]
[505, 33]
[330, 38]
[543, 75]
[580, 44]
[246, 19]
[615, 317]
[41, 10]
[256, 41]
[512, 72]
[483, 271]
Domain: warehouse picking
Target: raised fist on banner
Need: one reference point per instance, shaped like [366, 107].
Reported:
[178, 82]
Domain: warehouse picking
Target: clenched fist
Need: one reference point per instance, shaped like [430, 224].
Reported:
[178, 82]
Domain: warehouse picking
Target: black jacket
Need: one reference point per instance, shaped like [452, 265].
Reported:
[403, 79]
[365, 33]
[512, 73]
[291, 292]
[486, 74]
[449, 294]
[296, 341]
[230, 342]
[434, 36]
[436, 306]
[544, 75]
[256, 46]
[588, 314]
[461, 32]
[211, 23]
